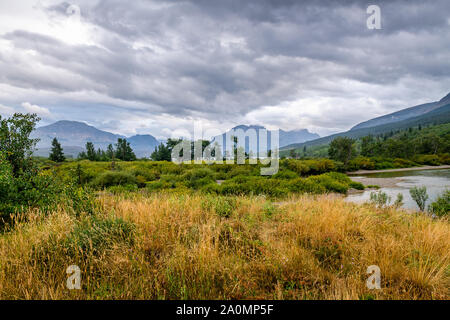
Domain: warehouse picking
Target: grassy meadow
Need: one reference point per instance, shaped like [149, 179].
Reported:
[157, 230]
[201, 246]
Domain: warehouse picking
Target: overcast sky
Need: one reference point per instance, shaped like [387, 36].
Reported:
[157, 66]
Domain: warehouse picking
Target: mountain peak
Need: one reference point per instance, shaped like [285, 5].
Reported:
[77, 134]
[445, 99]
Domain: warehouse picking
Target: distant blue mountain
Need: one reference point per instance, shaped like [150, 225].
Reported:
[285, 137]
[73, 136]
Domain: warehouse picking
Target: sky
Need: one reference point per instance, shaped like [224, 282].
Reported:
[158, 67]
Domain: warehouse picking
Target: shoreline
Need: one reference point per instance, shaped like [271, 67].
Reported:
[359, 172]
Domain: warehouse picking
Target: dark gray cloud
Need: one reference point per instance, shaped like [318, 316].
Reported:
[224, 61]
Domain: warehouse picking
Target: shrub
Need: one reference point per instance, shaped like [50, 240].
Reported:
[356, 185]
[441, 207]
[399, 201]
[240, 170]
[196, 178]
[330, 183]
[444, 158]
[123, 188]
[269, 209]
[146, 174]
[429, 159]
[305, 185]
[113, 178]
[361, 163]
[403, 163]
[222, 206]
[285, 174]
[420, 196]
[380, 199]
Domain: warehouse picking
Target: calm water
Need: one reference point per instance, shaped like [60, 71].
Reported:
[436, 182]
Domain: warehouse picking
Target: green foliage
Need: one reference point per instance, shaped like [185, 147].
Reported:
[441, 207]
[222, 206]
[342, 149]
[361, 162]
[399, 200]
[196, 178]
[429, 159]
[309, 167]
[420, 196]
[163, 152]
[56, 153]
[380, 199]
[15, 142]
[356, 185]
[269, 209]
[124, 151]
[113, 178]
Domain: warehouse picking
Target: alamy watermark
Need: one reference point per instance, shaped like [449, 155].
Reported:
[235, 146]
[374, 20]
[74, 280]
[374, 280]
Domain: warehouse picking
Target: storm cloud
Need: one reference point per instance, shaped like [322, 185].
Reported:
[156, 66]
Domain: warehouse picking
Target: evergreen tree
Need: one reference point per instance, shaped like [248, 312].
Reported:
[91, 154]
[57, 153]
[162, 153]
[110, 153]
[124, 151]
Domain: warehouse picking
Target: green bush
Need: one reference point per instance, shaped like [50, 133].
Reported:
[356, 185]
[403, 163]
[420, 196]
[123, 188]
[285, 174]
[441, 207]
[196, 178]
[380, 199]
[330, 184]
[222, 206]
[146, 174]
[429, 159]
[444, 158]
[361, 163]
[113, 178]
[305, 185]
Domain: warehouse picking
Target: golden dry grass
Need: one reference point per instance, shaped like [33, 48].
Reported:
[304, 248]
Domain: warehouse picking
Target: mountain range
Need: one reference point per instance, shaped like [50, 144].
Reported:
[425, 114]
[73, 136]
[404, 114]
[285, 137]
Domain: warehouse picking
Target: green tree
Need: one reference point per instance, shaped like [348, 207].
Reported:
[110, 152]
[342, 149]
[368, 146]
[124, 151]
[15, 142]
[162, 153]
[91, 154]
[57, 153]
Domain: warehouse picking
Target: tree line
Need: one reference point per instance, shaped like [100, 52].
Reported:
[401, 144]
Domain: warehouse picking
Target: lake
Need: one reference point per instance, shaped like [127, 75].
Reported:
[393, 183]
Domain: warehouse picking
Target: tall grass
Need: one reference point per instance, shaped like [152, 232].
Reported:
[166, 246]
